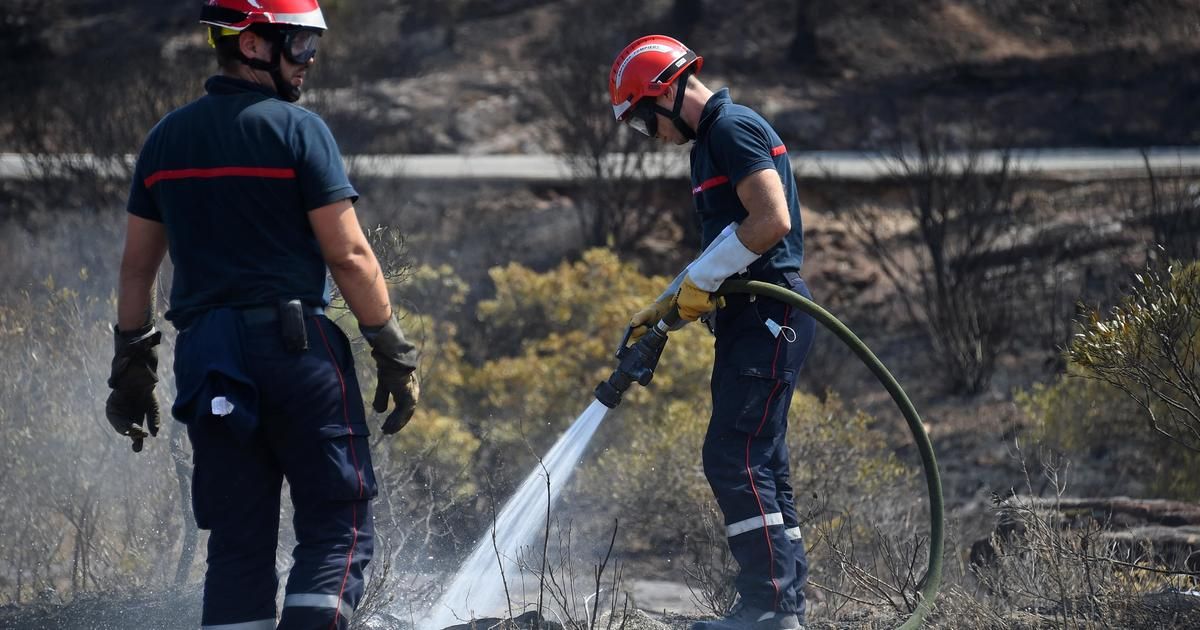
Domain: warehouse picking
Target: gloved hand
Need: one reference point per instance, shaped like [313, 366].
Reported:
[396, 360]
[693, 302]
[134, 374]
[643, 320]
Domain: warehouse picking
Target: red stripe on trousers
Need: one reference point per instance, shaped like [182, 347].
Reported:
[750, 472]
[337, 613]
[223, 171]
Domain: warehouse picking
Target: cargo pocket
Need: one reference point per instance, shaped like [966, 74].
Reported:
[762, 401]
[348, 473]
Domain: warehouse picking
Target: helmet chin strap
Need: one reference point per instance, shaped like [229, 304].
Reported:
[675, 114]
[677, 109]
[284, 89]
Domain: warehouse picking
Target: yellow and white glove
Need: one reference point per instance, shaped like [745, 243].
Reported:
[643, 320]
[724, 257]
[694, 302]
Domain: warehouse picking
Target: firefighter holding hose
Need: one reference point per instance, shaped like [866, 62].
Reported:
[749, 214]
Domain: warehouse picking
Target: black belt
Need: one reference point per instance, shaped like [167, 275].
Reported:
[268, 314]
[791, 279]
[785, 279]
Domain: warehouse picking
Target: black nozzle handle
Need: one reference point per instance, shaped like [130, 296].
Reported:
[670, 320]
[636, 362]
[624, 341]
[664, 326]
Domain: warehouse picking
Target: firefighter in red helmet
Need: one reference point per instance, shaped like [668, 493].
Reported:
[248, 193]
[291, 28]
[749, 214]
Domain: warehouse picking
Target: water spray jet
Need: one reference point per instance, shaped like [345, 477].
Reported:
[479, 579]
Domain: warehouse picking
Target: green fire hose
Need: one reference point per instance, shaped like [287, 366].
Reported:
[637, 362]
[933, 576]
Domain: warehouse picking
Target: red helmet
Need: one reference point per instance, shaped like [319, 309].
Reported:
[236, 15]
[647, 67]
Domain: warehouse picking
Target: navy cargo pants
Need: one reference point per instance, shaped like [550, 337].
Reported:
[303, 421]
[745, 449]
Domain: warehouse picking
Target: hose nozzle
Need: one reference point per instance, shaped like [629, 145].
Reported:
[635, 363]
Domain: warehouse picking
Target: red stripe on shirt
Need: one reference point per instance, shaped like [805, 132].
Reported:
[717, 181]
[223, 171]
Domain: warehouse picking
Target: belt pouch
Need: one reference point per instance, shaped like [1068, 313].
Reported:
[291, 326]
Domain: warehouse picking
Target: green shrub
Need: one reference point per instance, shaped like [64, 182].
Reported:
[1133, 385]
[548, 340]
[651, 476]
[484, 417]
[1149, 348]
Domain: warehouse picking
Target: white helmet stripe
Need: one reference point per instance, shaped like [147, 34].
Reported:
[219, 25]
[647, 48]
[312, 18]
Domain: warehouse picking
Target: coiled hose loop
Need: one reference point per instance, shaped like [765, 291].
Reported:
[933, 576]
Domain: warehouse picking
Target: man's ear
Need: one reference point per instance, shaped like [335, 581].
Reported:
[669, 95]
[250, 43]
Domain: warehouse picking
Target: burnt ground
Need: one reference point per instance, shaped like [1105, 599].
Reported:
[1008, 73]
[160, 610]
[979, 439]
[975, 437]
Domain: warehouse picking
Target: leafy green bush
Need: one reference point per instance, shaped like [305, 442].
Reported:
[651, 475]
[547, 339]
[1133, 384]
[1149, 348]
[486, 414]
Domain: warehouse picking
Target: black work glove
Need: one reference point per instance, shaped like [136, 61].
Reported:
[134, 374]
[396, 360]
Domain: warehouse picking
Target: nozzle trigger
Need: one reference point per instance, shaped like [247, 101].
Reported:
[624, 341]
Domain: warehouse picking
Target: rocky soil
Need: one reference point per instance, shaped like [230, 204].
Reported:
[1009, 72]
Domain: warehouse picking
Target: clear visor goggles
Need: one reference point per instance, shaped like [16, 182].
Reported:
[643, 117]
[300, 46]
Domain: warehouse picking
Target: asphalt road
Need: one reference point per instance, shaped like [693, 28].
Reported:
[1066, 163]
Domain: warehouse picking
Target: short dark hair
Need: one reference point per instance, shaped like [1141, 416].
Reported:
[228, 52]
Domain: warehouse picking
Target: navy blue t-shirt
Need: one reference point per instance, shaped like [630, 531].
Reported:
[233, 176]
[732, 142]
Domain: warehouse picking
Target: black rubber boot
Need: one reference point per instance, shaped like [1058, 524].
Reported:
[746, 618]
